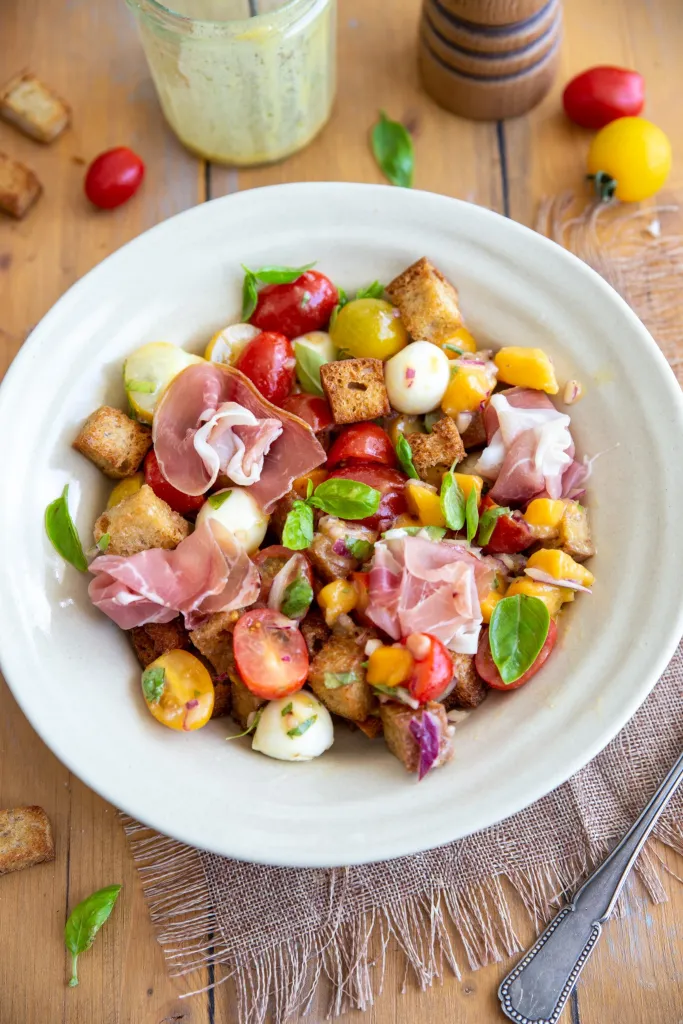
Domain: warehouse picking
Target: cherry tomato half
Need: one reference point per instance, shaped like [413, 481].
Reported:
[488, 670]
[511, 534]
[389, 482]
[297, 308]
[311, 409]
[179, 691]
[271, 653]
[268, 361]
[432, 668]
[364, 441]
[113, 177]
[184, 504]
[602, 94]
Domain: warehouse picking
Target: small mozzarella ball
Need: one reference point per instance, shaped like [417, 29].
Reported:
[238, 512]
[296, 728]
[417, 378]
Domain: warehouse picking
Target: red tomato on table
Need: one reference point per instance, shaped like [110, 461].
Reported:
[184, 504]
[311, 409]
[433, 668]
[299, 307]
[271, 653]
[364, 441]
[389, 482]
[113, 177]
[488, 670]
[602, 94]
[511, 534]
[268, 361]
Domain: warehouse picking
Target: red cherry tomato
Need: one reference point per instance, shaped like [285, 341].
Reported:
[364, 441]
[433, 668]
[511, 534]
[297, 308]
[268, 361]
[113, 177]
[389, 482]
[184, 504]
[271, 653]
[488, 670]
[602, 94]
[311, 409]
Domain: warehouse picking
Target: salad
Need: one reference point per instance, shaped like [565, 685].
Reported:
[345, 514]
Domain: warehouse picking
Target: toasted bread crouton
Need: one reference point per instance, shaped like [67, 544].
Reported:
[244, 703]
[336, 564]
[315, 632]
[372, 727]
[475, 434]
[33, 107]
[442, 447]
[157, 638]
[337, 678]
[114, 442]
[222, 697]
[574, 532]
[140, 522]
[469, 690]
[25, 838]
[19, 187]
[214, 640]
[396, 719]
[355, 389]
[428, 303]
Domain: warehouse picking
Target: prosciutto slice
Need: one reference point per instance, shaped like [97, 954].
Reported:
[422, 586]
[208, 572]
[212, 420]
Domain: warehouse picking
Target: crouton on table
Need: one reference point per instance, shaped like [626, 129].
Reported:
[355, 389]
[442, 447]
[19, 187]
[114, 442]
[396, 719]
[25, 838]
[140, 522]
[427, 302]
[337, 678]
[33, 107]
[157, 638]
[469, 690]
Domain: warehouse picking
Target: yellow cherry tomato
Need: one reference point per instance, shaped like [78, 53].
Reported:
[630, 159]
[369, 329]
[178, 691]
[124, 488]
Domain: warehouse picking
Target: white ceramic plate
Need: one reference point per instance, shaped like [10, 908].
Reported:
[74, 673]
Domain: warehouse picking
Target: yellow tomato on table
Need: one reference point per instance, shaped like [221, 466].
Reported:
[178, 691]
[630, 158]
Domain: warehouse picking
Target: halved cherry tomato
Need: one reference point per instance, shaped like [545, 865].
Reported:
[297, 308]
[432, 669]
[184, 504]
[602, 94]
[179, 691]
[389, 482]
[268, 361]
[271, 653]
[113, 177]
[311, 409]
[364, 441]
[488, 670]
[511, 534]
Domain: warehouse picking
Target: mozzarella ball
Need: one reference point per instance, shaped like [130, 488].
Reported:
[237, 511]
[417, 378]
[296, 728]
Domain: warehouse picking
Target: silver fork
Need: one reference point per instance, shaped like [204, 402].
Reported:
[536, 990]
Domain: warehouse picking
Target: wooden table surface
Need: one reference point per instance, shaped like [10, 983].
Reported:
[88, 50]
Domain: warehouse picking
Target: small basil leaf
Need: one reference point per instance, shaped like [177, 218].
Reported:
[308, 363]
[287, 709]
[346, 499]
[103, 542]
[333, 680]
[309, 488]
[297, 533]
[153, 682]
[472, 514]
[372, 291]
[85, 921]
[449, 347]
[452, 502]
[343, 297]
[249, 295]
[145, 387]
[280, 275]
[359, 548]
[302, 727]
[487, 523]
[61, 532]
[297, 598]
[250, 728]
[393, 150]
[518, 629]
[405, 457]
[216, 500]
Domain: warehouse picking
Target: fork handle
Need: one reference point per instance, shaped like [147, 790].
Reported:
[536, 990]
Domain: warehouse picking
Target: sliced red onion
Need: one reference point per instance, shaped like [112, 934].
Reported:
[192, 704]
[410, 372]
[545, 577]
[427, 734]
[340, 548]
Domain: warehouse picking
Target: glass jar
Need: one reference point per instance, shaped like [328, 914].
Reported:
[241, 82]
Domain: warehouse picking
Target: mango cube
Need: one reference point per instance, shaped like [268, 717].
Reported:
[526, 368]
[544, 512]
[469, 386]
[389, 666]
[560, 566]
[553, 597]
[468, 481]
[337, 598]
[424, 503]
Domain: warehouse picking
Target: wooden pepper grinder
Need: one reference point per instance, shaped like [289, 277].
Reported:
[489, 59]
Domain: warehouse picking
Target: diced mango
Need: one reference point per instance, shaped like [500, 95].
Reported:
[560, 566]
[124, 488]
[424, 503]
[389, 666]
[467, 481]
[469, 386]
[526, 368]
[544, 512]
[459, 341]
[316, 476]
[553, 597]
[490, 602]
[337, 598]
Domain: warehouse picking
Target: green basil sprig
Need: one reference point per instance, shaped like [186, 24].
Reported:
[487, 523]
[345, 499]
[472, 514]
[104, 542]
[153, 683]
[359, 548]
[311, 354]
[85, 921]
[61, 531]
[302, 727]
[216, 500]
[267, 275]
[452, 501]
[250, 728]
[371, 291]
[333, 680]
[297, 532]
[297, 598]
[405, 457]
[517, 631]
[393, 150]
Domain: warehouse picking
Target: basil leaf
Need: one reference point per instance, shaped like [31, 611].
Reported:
[85, 921]
[372, 291]
[216, 500]
[103, 542]
[153, 683]
[308, 363]
[487, 523]
[333, 680]
[61, 532]
[405, 457]
[393, 150]
[346, 499]
[518, 629]
[343, 297]
[287, 709]
[452, 502]
[145, 387]
[249, 295]
[280, 275]
[472, 513]
[431, 532]
[250, 728]
[360, 549]
[297, 598]
[297, 533]
[302, 727]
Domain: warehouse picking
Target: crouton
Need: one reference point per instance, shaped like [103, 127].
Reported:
[140, 522]
[428, 303]
[315, 632]
[33, 107]
[244, 702]
[372, 727]
[574, 533]
[337, 564]
[157, 638]
[25, 838]
[222, 697]
[114, 442]
[337, 678]
[19, 187]
[396, 719]
[355, 389]
[214, 640]
[442, 447]
[469, 690]
[475, 434]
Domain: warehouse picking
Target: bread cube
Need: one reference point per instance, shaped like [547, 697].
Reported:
[355, 389]
[469, 690]
[428, 303]
[139, 523]
[214, 640]
[19, 187]
[341, 658]
[25, 838]
[33, 107]
[442, 447]
[396, 719]
[114, 442]
[244, 703]
[157, 638]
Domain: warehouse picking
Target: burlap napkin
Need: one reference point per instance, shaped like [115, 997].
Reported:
[282, 933]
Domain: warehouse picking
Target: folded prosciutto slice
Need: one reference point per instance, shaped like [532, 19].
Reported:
[208, 572]
[422, 586]
[530, 447]
[212, 419]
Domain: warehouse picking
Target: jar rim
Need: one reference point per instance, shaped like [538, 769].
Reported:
[167, 12]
